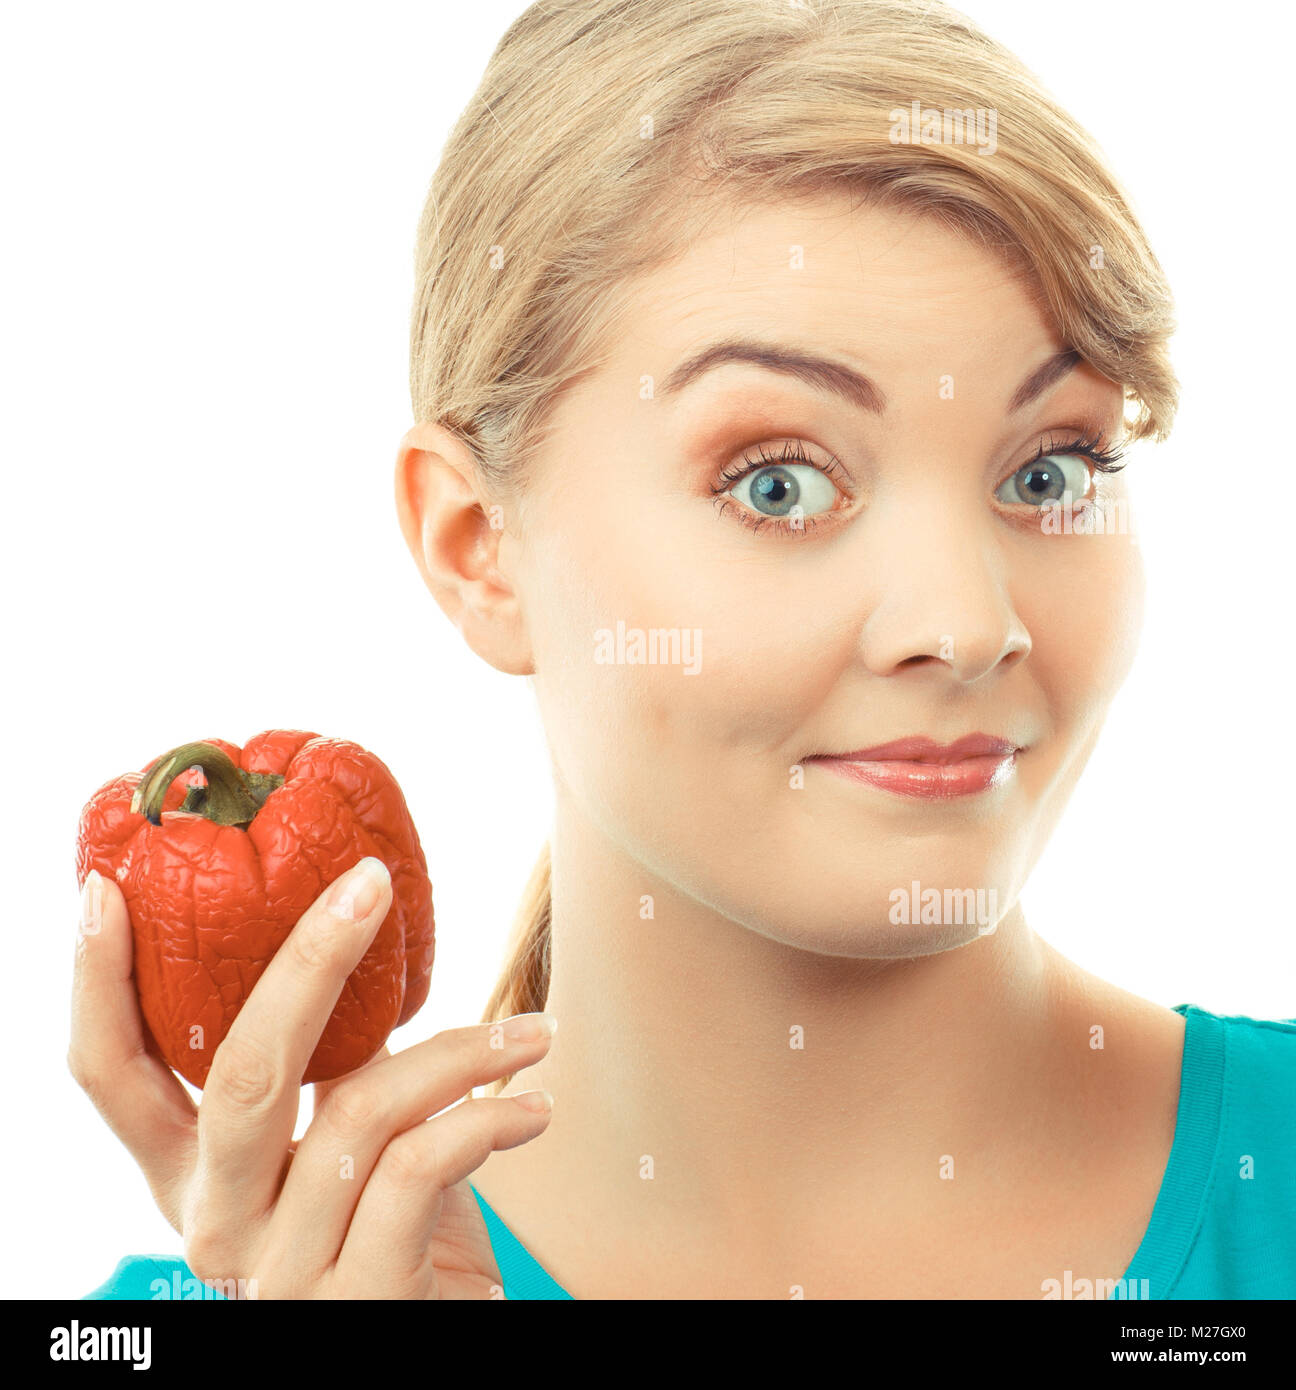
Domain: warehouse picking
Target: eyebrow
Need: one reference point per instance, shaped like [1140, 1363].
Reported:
[825, 374]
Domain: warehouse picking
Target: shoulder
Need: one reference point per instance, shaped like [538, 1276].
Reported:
[1265, 1047]
[1238, 1108]
[152, 1277]
[1252, 1062]
[1255, 1059]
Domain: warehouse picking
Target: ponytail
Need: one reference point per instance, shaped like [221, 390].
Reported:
[523, 987]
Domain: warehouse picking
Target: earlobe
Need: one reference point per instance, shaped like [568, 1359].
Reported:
[447, 529]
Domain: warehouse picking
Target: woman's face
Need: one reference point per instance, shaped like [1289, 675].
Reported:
[917, 592]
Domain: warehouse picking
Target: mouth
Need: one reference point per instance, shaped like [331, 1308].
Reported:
[920, 767]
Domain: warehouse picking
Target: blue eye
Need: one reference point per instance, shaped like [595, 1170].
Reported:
[1058, 469]
[784, 484]
[777, 488]
[1046, 480]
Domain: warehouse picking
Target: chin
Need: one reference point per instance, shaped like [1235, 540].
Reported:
[835, 916]
[871, 939]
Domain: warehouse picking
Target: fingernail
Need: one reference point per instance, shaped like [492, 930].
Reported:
[529, 1027]
[91, 904]
[356, 894]
[537, 1101]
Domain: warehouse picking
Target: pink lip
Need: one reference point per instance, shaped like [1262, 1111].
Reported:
[924, 750]
[923, 768]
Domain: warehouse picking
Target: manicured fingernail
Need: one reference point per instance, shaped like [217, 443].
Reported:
[537, 1101]
[355, 894]
[91, 904]
[529, 1027]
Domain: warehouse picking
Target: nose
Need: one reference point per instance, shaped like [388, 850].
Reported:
[941, 595]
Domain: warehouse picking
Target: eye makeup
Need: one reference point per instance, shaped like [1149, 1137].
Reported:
[781, 472]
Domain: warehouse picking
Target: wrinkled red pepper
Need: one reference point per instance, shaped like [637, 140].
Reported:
[217, 866]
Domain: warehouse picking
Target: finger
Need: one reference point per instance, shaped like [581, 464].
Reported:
[322, 1088]
[349, 1132]
[139, 1096]
[392, 1238]
[249, 1104]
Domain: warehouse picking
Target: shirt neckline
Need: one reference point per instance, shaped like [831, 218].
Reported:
[524, 1267]
[1181, 1198]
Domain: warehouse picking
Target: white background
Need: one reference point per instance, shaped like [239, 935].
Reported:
[206, 280]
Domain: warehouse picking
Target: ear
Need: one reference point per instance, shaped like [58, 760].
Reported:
[454, 534]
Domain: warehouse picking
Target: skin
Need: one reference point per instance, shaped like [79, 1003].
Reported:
[924, 605]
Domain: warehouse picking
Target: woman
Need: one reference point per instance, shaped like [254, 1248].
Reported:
[773, 368]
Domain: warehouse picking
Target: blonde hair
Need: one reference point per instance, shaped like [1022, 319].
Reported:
[598, 141]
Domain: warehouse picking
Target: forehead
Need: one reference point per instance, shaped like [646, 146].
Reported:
[875, 283]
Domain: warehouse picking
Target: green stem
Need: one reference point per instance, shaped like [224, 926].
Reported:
[231, 796]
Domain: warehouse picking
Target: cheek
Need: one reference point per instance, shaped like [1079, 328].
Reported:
[659, 658]
[1085, 618]
[1082, 650]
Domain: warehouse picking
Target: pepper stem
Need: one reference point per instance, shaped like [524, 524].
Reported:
[231, 796]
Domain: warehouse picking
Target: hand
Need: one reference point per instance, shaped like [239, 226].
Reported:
[373, 1201]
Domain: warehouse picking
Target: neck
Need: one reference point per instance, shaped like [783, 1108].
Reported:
[739, 1068]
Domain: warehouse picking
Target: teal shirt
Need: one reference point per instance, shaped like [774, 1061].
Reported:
[1224, 1222]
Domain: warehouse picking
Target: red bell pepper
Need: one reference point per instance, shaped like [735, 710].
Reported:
[218, 852]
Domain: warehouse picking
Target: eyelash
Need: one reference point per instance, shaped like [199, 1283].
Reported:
[794, 451]
[1087, 446]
